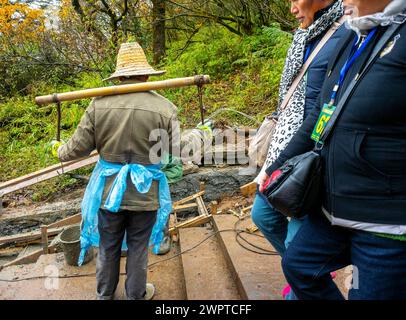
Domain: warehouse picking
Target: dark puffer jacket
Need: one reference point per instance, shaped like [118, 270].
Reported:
[365, 156]
[318, 68]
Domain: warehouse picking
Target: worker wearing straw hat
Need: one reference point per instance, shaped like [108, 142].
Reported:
[132, 62]
[127, 201]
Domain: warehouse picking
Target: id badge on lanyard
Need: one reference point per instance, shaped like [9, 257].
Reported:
[321, 123]
[329, 108]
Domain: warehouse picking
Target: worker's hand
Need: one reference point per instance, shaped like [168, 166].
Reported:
[55, 144]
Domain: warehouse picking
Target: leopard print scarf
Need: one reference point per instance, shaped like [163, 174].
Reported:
[292, 117]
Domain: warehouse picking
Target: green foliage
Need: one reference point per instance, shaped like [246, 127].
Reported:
[26, 131]
[245, 73]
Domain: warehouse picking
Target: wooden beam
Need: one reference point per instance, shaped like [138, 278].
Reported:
[44, 239]
[8, 252]
[76, 218]
[184, 206]
[248, 189]
[46, 174]
[196, 221]
[30, 258]
[201, 207]
[187, 199]
[29, 236]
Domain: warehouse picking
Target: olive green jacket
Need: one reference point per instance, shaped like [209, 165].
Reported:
[119, 127]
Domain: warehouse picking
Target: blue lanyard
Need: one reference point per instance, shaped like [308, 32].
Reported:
[308, 51]
[354, 54]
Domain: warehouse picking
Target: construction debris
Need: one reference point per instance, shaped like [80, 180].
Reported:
[252, 229]
[194, 222]
[202, 218]
[248, 189]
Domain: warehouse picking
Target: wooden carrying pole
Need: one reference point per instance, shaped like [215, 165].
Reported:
[122, 89]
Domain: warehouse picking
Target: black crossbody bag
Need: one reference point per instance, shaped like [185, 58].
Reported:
[296, 191]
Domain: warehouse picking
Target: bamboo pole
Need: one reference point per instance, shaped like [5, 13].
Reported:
[122, 89]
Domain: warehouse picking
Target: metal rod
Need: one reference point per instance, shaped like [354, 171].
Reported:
[200, 89]
[58, 128]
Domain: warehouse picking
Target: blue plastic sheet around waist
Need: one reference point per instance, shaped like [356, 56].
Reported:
[142, 177]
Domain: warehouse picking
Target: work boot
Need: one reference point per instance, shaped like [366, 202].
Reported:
[165, 245]
[150, 291]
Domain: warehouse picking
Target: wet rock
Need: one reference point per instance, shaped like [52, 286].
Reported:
[218, 183]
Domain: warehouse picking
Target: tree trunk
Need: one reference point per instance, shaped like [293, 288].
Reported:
[158, 14]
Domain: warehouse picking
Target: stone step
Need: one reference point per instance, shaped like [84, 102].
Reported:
[80, 283]
[207, 276]
[258, 276]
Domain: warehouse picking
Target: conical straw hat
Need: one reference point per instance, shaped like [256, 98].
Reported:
[131, 61]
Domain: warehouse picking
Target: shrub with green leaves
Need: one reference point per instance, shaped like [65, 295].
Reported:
[245, 73]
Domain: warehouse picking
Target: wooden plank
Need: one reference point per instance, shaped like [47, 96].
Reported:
[44, 239]
[30, 258]
[9, 252]
[43, 171]
[29, 236]
[248, 189]
[76, 218]
[196, 221]
[190, 198]
[184, 206]
[192, 222]
[45, 174]
[201, 207]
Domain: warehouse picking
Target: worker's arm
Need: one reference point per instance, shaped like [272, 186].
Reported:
[82, 143]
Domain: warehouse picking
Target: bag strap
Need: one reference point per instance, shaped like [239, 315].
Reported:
[306, 66]
[378, 48]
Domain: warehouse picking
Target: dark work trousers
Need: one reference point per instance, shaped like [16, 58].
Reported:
[379, 264]
[112, 228]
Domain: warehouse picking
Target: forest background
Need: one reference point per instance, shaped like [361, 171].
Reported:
[53, 46]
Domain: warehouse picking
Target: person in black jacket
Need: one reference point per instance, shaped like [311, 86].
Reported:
[317, 18]
[363, 218]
